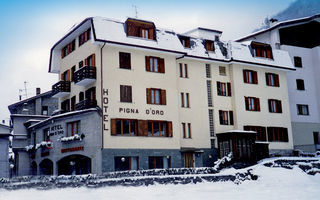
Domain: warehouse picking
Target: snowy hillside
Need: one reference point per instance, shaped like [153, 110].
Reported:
[280, 178]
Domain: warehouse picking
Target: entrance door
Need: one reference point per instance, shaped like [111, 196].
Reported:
[188, 160]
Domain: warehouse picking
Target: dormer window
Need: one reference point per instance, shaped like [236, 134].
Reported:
[209, 45]
[185, 41]
[261, 50]
[142, 29]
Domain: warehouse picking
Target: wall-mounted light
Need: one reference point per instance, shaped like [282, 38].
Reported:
[123, 159]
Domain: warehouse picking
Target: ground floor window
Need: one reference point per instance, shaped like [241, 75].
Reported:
[159, 162]
[225, 148]
[74, 165]
[261, 132]
[277, 134]
[123, 163]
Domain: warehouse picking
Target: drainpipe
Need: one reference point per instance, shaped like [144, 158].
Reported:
[101, 64]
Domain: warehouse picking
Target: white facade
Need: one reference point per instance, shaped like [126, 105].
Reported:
[307, 125]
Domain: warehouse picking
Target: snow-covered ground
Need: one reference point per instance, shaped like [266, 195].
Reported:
[273, 183]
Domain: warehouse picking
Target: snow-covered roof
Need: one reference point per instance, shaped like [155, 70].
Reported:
[281, 24]
[111, 31]
[241, 52]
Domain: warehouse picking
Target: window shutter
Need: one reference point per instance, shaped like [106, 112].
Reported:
[62, 77]
[148, 95]
[151, 34]
[277, 80]
[86, 62]
[186, 70]
[127, 61]
[141, 128]
[163, 97]
[218, 88]
[255, 77]
[258, 104]
[122, 95]
[129, 93]
[180, 67]
[170, 133]
[267, 79]
[113, 127]
[231, 117]
[285, 134]
[244, 76]
[279, 107]
[187, 42]
[229, 89]
[269, 105]
[162, 68]
[246, 103]
[270, 138]
[93, 60]
[220, 117]
[148, 63]
[68, 75]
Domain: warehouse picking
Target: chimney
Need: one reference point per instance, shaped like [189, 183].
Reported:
[273, 22]
[38, 91]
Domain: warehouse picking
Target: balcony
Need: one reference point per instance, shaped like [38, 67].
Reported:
[61, 89]
[85, 104]
[85, 76]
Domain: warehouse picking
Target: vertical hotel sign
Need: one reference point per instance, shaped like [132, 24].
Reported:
[105, 109]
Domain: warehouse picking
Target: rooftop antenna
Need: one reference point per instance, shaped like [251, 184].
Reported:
[23, 90]
[135, 10]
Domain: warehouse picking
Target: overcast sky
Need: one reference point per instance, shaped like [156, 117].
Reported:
[28, 29]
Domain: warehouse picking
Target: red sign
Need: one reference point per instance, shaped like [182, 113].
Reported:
[72, 149]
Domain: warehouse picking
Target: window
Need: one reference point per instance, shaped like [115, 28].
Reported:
[252, 103]
[226, 117]
[261, 50]
[126, 93]
[139, 28]
[158, 128]
[209, 92]
[211, 126]
[85, 36]
[272, 79]
[303, 109]
[65, 76]
[122, 163]
[90, 61]
[185, 102]
[208, 71]
[274, 106]
[316, 138]
[183, 69]
[300, 84]
[44, 110]
[277, 134]
[73, 128]
[209, 45]
[73, 69]
[125, 60]
[212, 143]
[134, 127]
[155, 64]
[73, 103]
[91, 94]
[145, 33]
[156, 96]
[65, 105]
[224, 89]
[66, 50]
[222, 71]
[46, 134]
[127, 127]
[297, 61]
[186, 130]
[185, 41]
[159, 162]
[250, 76]
[261, 132]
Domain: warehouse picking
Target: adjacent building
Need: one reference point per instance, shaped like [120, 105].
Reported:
[4, 151]
[299, 37]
